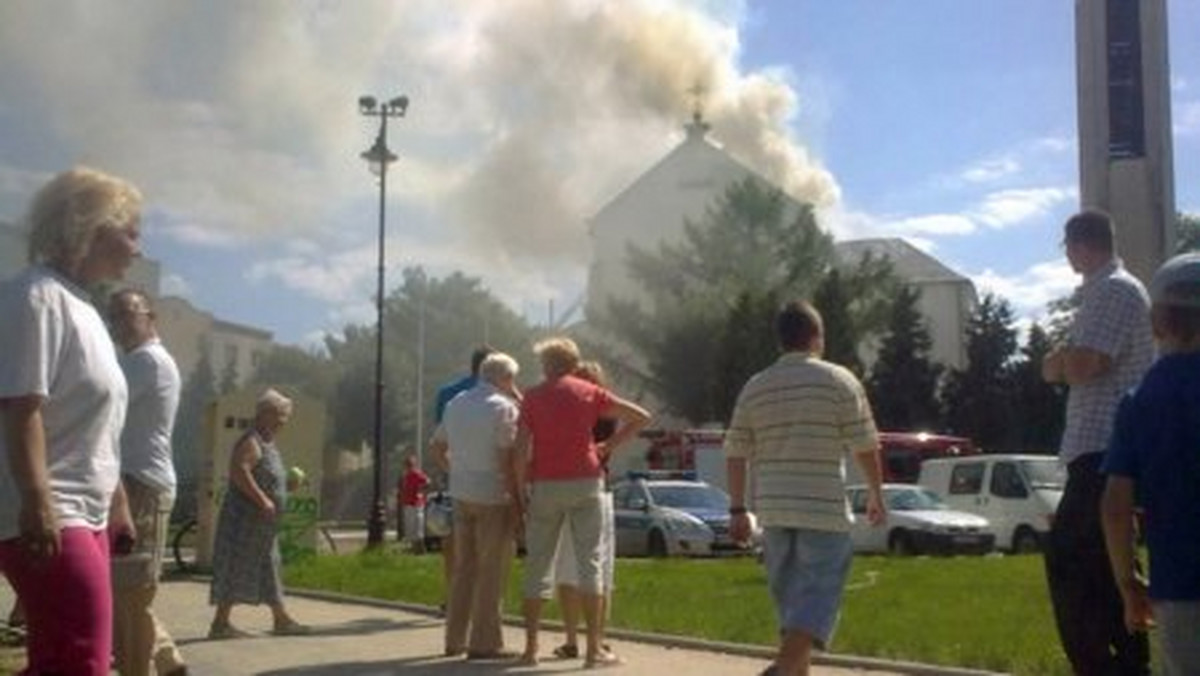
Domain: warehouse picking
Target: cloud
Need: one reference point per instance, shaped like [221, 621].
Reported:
[1009, 207]
[18, 181]
[933, 224]
[1186, 121]
[1022, 160]
[1029, 291]
[997, 210]
[333, 277]
[991, 170]
[344, 278]
[174, 285]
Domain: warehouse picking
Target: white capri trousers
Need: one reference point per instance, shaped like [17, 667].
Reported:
[576, 503]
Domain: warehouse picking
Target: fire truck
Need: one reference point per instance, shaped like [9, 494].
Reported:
[701, 451]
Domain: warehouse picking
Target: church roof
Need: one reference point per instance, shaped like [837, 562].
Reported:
[910, 262]
[701, 162]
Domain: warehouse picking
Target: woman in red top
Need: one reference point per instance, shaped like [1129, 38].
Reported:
[566, 474]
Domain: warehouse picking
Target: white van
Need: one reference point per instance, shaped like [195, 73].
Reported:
[1017, 494]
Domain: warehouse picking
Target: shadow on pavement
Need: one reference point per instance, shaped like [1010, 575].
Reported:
[443, 666]
[361, 627]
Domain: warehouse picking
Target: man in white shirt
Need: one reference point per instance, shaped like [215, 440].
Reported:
[475, 444]
[140, 643]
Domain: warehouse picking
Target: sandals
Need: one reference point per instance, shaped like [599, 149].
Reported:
[292, 628]
[567, 651]
[603, 660]
[221, 632]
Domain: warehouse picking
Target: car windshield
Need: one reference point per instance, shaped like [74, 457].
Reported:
[1045, 474]
[694, 496]
[912, 499]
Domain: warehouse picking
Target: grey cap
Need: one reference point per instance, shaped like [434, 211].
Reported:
[1177, 282]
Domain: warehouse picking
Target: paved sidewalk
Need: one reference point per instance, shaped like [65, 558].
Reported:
[376, 639]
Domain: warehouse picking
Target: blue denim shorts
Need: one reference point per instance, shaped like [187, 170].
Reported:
[806, 573]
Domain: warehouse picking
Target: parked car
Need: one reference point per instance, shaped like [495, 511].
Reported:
[673, 514]
[918, 522]
[1017, 494]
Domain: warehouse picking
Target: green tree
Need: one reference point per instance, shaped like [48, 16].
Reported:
[692, 337]
[979, 400]
[904, 380]
[748, 344]
[309, 372]
[1041, 407]
[431, 326]
[833, 300]
[1187, 232]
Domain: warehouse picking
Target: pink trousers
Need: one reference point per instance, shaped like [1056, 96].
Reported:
[68, 603]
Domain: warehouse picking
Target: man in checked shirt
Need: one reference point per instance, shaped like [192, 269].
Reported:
[1110, 347]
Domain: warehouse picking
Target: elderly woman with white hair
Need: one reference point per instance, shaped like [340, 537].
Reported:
[246, 561]
[62, 401]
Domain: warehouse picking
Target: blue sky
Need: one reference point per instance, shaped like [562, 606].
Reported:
[951, 123]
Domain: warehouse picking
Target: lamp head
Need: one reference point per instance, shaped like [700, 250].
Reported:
[378, 156]
[366, 104]
[398, 105]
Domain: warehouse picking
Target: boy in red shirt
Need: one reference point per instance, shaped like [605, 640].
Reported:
[411, 498]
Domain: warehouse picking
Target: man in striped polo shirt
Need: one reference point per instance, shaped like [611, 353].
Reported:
[794, 424]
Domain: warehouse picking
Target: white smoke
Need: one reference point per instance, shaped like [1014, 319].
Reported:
[239, 119]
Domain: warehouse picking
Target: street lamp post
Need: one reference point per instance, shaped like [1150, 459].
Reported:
[378, 157]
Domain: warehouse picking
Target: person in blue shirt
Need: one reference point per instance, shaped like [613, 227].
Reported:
[1153, 463]
[453, 389]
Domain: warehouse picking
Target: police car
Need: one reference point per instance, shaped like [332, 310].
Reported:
[673, 514]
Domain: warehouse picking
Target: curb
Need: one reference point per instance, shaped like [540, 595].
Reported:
[663, 640]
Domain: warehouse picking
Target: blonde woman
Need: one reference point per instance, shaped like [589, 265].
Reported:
[246, 562]
[566, 574]
[62, 401]
[566, 475]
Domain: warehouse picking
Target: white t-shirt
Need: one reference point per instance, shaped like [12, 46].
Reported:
[53, 344]
[154, 386]
[477, 424]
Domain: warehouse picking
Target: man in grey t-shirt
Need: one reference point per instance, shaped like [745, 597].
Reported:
[140, 643]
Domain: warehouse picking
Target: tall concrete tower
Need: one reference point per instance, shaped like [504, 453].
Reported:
[1124, 100]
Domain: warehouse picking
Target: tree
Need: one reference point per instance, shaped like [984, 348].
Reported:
[1187, 232]
[832, 299]
[748, 345]
[450, 316]
[904, 380]
[694, 339]
[308, 372]
[979, 400]
[1041, 407]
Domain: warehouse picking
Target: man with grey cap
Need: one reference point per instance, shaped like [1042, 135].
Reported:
[1109, 348]
[1153, 462]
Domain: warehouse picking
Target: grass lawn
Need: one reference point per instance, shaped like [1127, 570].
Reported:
[981, 612]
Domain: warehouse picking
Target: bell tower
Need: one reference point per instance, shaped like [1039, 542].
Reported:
[1125, 142]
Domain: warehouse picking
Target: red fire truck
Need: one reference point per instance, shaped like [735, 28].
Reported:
[700, 450]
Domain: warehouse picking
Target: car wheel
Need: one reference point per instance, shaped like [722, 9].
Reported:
[1025, 541]
[657, 545]
[900, 543]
